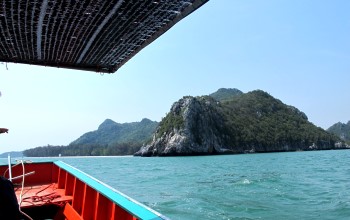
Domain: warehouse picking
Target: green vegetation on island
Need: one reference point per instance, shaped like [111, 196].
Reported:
[110, 138]
[259, 121]
[226, 94]
[84, 150]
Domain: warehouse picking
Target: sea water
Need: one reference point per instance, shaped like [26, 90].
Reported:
[293, 185]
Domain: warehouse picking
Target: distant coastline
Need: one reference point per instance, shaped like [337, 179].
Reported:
[227, 121]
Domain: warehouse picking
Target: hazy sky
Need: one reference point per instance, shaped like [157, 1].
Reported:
[296, 50]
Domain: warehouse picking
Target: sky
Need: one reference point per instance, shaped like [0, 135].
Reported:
[298, 51]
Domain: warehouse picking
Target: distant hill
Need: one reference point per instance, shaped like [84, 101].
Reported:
[229, 121]
[12, 153]
[110, 138]
[341, 130]
[226, 94]
[110, 133]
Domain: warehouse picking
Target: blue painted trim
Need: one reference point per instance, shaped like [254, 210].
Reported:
[130, 205]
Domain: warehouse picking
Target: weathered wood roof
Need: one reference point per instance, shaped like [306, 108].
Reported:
[95, 35]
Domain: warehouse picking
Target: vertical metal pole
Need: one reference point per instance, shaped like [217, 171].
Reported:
[9, 162]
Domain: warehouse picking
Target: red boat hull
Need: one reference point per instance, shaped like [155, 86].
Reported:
[67, 193]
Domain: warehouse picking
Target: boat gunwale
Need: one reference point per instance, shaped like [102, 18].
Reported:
[130, 205]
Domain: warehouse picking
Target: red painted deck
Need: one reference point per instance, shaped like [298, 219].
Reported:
[42, 195]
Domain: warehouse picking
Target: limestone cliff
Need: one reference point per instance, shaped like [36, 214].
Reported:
[194, 126]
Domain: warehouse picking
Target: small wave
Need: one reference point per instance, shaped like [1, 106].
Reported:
[204, 182]
[241, 182]
[246, 181]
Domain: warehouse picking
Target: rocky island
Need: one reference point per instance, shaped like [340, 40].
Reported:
[231, 122]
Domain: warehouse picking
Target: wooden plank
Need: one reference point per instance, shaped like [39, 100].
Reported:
[42, 175]
[61, 178]
[89, 203]
[70, 213]
[122, 214]
[41, 195]
[70, 180]
[105, 209]
[54, 173]
[78, 195]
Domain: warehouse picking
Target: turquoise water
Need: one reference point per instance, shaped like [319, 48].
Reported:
[295, 185]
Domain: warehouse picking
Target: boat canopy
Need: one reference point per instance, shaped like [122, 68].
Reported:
[4, 130]
[92, 35]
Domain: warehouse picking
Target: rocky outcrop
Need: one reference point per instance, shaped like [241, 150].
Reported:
[342, 130]
[200, 129]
